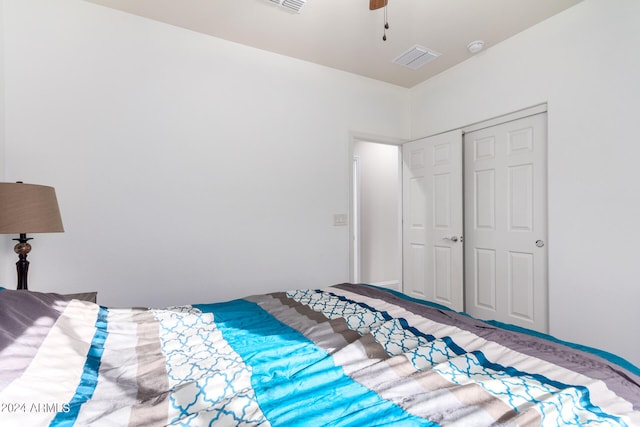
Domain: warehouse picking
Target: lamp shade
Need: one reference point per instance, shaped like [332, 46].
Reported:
[28, 208]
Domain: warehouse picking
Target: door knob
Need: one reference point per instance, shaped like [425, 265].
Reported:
[452, 238]
[539, 243]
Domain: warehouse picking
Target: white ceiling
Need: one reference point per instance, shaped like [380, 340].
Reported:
[346, 35]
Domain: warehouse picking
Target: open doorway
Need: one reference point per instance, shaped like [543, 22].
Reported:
[377, 214]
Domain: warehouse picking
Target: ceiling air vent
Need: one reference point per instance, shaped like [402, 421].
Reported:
[294, 5]
[416, 57]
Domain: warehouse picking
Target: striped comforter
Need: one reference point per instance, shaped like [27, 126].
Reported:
[347, 355]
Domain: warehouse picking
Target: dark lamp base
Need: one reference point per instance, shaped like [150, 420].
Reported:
[22, 248]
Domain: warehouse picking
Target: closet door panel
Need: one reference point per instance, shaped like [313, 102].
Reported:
[505, 222]
[432, 219]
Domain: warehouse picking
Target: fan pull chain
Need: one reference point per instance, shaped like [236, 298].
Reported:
[386, 24]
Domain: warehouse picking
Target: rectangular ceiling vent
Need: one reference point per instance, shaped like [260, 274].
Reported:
[293, 5]
[416, 57]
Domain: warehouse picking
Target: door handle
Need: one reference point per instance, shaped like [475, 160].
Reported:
[452, 238]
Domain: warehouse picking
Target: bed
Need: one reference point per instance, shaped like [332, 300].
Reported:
[345, 355]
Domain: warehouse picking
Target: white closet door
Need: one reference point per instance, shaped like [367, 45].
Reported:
[506, 224]
[432, 219]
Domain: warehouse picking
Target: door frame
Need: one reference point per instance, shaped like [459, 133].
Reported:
[355, 137]
[497, 120]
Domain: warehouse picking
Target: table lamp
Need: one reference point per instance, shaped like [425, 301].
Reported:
[27, 208]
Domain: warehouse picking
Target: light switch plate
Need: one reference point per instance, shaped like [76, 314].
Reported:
[339, 219]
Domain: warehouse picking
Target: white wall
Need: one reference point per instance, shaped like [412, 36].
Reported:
[380, 236]
[188, 168]
[2, 163]
[5, 247]
[584, 63]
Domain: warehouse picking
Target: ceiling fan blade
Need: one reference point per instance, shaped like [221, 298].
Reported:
[377, 4]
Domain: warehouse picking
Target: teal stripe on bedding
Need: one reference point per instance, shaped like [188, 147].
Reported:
[410, 298]
[89, 378]
[295, 381]
[613, 358]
